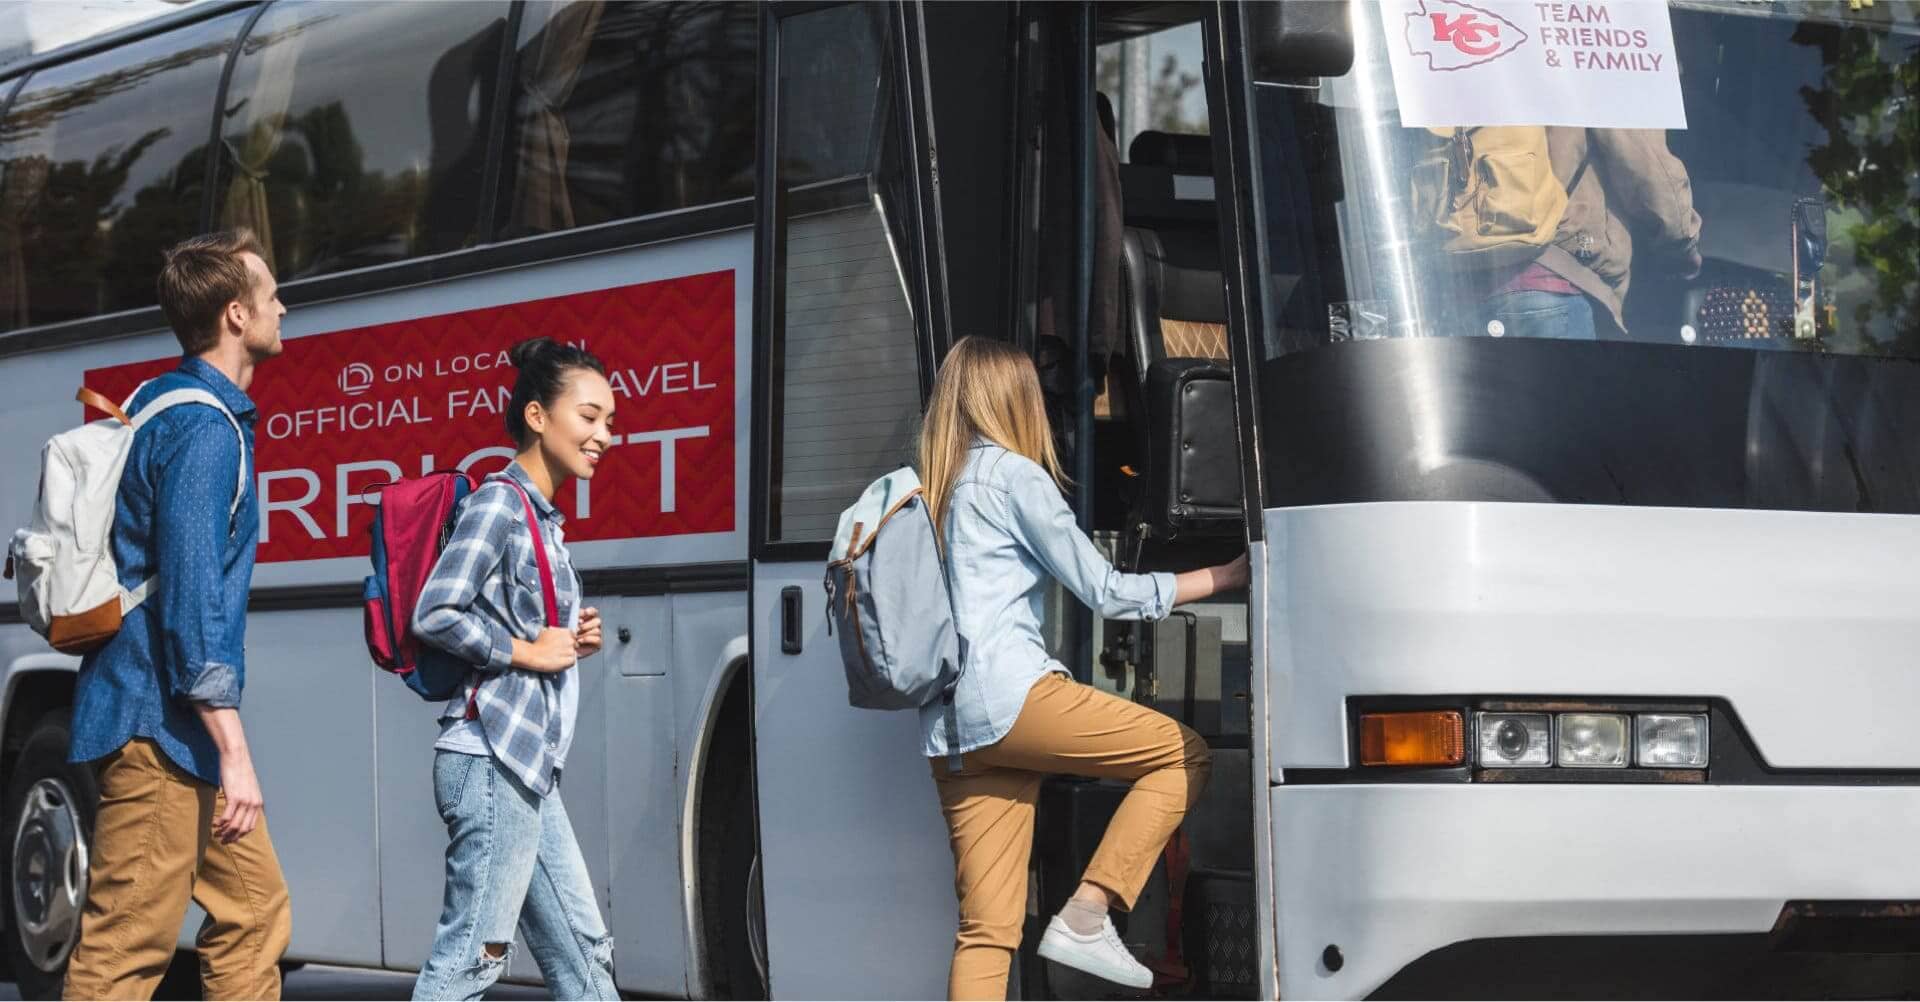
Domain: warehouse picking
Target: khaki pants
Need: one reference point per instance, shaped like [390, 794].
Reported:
[1064, 727]
[153, 848]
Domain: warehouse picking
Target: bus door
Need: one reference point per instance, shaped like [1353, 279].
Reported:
[1132, 250]
[854, 866]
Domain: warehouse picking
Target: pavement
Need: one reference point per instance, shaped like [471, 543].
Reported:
[350, 985]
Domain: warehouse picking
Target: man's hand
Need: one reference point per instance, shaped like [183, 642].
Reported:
[245, 807]
[586, 639]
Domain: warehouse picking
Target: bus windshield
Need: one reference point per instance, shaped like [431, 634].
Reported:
[1783, 216]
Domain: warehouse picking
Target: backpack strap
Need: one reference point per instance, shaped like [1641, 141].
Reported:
[1580, 171]
[173, 398]
[103, 405]
[539, 554]
[548, 599]
[132, 597]
[952, 716]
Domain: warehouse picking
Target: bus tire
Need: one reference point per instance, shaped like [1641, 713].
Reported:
[730, 899]
[48, 828]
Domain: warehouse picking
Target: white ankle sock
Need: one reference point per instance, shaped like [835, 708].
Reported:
[1082, 917]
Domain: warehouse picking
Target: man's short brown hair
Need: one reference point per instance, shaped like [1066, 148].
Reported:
[200, 277]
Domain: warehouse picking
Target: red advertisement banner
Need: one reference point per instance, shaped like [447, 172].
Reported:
[345, 412]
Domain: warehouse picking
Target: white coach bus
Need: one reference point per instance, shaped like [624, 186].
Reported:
[1570, 666]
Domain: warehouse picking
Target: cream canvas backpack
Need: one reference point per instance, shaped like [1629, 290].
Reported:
[70, 590]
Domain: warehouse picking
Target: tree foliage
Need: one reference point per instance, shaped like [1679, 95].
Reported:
[1869, 104]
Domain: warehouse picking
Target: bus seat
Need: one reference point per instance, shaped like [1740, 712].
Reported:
[1174, 313]
[1192, 454]
[1185, 153]
[1175, 303]
[1168, 178]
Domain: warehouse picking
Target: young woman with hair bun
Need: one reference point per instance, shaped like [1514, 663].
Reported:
[512, 859]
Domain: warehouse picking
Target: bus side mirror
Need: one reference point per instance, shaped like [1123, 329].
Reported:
[1810, 233]
[1294, 39]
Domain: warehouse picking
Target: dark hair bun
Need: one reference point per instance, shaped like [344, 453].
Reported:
[530, 351]
[544, 366]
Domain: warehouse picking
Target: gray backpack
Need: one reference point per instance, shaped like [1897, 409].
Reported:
[888, 599]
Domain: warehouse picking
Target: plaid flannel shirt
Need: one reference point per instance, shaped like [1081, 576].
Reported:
[483, 592]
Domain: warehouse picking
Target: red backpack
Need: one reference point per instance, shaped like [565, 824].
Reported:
[411, 527]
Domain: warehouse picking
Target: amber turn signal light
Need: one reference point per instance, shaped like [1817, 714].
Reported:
[1424, 737]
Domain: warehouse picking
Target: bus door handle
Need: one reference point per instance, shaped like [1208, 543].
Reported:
[790, 619]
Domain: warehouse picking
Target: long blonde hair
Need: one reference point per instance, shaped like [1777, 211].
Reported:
[985, 389]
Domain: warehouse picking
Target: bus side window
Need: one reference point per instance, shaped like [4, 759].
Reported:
[845, 365]
[355, 135]
[105, 164]
[627, 109]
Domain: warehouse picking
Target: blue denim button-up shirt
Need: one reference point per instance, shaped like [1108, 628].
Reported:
[1008, 534]
[185, 643]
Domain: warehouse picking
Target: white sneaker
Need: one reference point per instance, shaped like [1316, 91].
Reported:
[1101, 954]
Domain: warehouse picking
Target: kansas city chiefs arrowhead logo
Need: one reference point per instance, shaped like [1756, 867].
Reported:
[1454, 35]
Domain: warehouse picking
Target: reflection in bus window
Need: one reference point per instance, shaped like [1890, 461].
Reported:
[626, 109]
[356, 134]
[1806, 130]
[105, 164]
[1784, 216]
[828, 95]
[848, 371]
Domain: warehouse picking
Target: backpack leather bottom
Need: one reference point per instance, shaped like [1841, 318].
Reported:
[85, 632]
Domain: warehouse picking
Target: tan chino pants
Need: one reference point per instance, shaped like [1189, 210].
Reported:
[1064, 727]
[153, 849]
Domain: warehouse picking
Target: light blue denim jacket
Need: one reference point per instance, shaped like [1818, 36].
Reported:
[1008, 534]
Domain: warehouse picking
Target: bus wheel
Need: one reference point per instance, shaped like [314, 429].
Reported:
[48, 824]
[730, 899]
[756, 920]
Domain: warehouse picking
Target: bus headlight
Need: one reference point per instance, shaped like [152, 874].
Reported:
[1515, 740]
[1671, 740]
[1592, 740]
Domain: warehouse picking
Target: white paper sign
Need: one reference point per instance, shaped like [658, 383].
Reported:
[1605, 64]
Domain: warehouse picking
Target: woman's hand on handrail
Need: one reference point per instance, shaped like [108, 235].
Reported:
[1192, 586]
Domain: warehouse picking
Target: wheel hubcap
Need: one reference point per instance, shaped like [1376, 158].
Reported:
[49, 874]
[756, 920]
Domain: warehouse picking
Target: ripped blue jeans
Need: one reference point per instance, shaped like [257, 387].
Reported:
[512, 861]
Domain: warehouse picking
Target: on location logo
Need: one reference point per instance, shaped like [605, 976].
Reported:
[356, 378]
[1454, 35]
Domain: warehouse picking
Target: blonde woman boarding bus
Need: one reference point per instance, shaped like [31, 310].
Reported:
[995, 489]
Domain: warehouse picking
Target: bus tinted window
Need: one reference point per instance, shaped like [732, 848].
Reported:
[848, 380]
[105, 164]
[1153, 81]
[355, 134]
[827, 97]
[1781, 217]
[1802, 129]
[626, 109]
